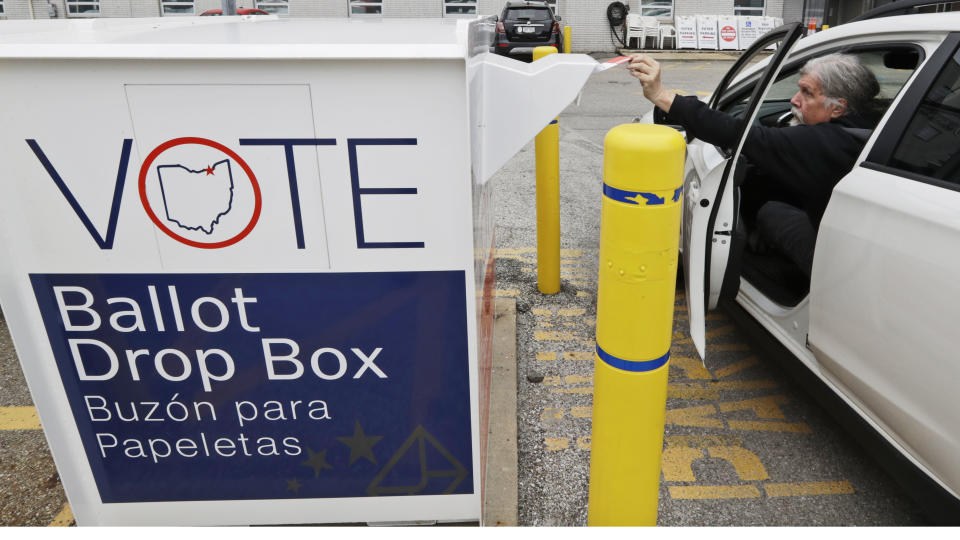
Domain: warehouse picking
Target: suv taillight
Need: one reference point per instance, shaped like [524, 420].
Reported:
[500, 28]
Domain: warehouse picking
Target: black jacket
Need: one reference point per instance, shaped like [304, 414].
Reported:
[808, 160]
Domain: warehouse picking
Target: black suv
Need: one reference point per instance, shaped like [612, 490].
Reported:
[525, 25]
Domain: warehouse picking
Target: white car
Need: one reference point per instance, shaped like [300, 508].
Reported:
[877, 323]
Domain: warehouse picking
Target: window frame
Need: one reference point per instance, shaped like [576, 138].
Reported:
[895, 129]
[646, 4]
[266, 4]
[1, 7]
[165, 3]
[365, 3]
[467, 3]
[751, 11]
[68, 3]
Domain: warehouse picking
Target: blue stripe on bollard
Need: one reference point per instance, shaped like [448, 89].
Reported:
[554, 121]
[631, 365]
[629, 196]
[677, 193]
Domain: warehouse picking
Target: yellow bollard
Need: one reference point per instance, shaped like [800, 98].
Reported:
[639, 238]
[567, 39]
[547, 148]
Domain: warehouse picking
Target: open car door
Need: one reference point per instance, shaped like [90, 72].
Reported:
[711, 202]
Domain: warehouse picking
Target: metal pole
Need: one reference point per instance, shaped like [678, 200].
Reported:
[547, 148]
[639, 239]
[229, 7]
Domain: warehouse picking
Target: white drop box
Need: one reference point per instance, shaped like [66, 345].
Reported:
[279, 233]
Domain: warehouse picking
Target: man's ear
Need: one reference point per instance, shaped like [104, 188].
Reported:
[839, 110]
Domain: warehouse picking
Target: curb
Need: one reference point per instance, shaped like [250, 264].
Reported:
[500, 484]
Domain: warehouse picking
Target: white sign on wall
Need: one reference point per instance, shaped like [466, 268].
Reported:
[728, 32]
[707, 32]
[749, 30]
[686, 32]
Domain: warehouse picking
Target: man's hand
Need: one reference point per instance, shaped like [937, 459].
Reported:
[647, 70]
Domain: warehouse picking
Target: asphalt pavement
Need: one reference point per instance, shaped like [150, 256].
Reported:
[743, 444]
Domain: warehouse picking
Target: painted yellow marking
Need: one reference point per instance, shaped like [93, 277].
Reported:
[575, 253]
[726, 371]
[762, 384]
[763, 407]
[528, 260]
[64, 518]
[578, 390]
[702, 441]
[546, 356]
[579, 283]
[745, 463]
[541, 312]
[514, 251]
[784, 427]
[578, 355]
[716, 317]
[545, 324]
[551, 413]
[691, 367]
[691, 391]
[583, 443]
[694, 416]
[555, 444]
[730, 347]
[714, 492]
[12, 418]
[571, 312]
[583, 294]
[582, 412]
[679, 91]
[702, 93]
[677, 463]
[552, 380]
[716, 332]
[809, 488]
[578, 379]
[571, 263]
[701, 66]
[553, 336]
[505, 293]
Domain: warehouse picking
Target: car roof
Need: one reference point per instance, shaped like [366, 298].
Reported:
[534, 4]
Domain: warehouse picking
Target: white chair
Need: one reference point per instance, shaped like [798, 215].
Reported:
[651, 29]
[634, 28]
[668, 31]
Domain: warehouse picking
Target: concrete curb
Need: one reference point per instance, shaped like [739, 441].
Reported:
[501, 490]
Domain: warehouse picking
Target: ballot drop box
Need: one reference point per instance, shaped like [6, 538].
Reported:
[247, 262]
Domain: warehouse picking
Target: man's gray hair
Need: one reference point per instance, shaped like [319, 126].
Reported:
[842, 76]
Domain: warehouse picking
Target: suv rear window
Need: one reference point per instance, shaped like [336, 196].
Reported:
[530, 14]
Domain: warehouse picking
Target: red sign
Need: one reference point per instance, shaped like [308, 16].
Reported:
[728, 33]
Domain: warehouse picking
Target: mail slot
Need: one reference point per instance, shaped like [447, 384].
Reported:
[247, 262]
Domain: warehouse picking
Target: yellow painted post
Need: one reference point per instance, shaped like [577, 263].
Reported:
[567, 39]
[547, 148]
[639, 237]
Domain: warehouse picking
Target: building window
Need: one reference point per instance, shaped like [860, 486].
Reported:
[83, 8]
[554, 5]
[455, 8]
[662, 9]
[177, 7]
[749, 7]
[365, 7]
[275, 7]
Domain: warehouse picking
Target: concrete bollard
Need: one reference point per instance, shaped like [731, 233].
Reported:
[547, 148]
[639, 238]
[567, 38]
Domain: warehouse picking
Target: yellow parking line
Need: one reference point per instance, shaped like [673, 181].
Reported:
[513, 251]
[691, 367]
[702, 441]
[545, 324]
[701, 66]
[542, 312]
[578, 390]
[694, 416]
[798, 489]
[546, 356]
[12, 418]
[726, 371]
[551, 413]
[763, 384]
[553, 336]
[583, 443]
[64, 518]
[714, 492]
[746, 464]
[577, 379]
[729, 329]
[783, 427]
[572, 312]
[578, 355]
[582, 412]
[555, 444]
[504, 293]
[767, 407]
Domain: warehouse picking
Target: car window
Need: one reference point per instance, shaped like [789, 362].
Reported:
[892, 66]
[530, 14]
[930, 145]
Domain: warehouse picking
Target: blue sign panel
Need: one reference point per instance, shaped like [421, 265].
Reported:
[191, 387]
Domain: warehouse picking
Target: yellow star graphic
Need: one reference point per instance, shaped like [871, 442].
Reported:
[361, 446]
[317, 461]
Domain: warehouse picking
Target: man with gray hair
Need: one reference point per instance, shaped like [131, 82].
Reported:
[831, 113]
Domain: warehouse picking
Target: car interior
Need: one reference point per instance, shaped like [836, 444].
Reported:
[770, 272]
